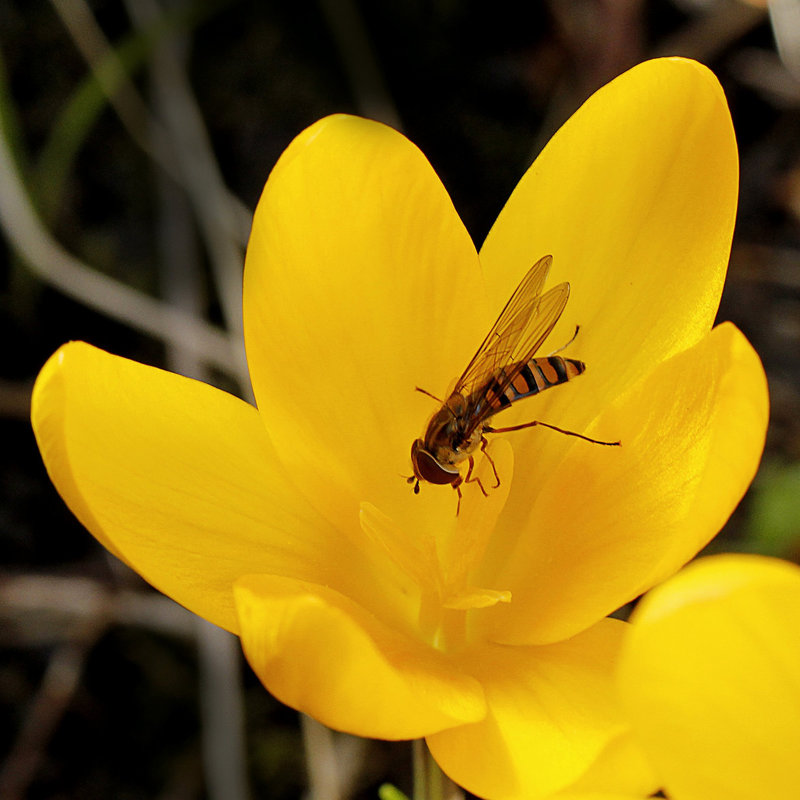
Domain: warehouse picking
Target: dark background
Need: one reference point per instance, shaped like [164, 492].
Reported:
[101, 694]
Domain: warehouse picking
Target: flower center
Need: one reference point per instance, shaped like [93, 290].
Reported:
[448, 626]
[439, 558]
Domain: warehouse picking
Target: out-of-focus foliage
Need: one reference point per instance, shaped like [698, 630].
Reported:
[773, 524]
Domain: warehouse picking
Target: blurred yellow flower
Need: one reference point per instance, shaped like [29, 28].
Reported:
[381, 612]
[710, 675]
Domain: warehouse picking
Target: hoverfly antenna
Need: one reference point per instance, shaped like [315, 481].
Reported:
[434, 397]
[426, 392]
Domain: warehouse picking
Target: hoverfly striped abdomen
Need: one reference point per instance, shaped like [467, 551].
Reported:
[536, 376]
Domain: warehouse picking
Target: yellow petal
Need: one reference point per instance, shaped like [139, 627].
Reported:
[621, 767]
[461, 548]
[321, 653]
[609, 523]
[443, 560]
[360, 284]
[598, 796]
[711, 679]
[473, 597]
[635, 198]
[550, 714]
[434, 563]
[178, 479]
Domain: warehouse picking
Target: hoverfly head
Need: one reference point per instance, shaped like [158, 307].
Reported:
[427, 468]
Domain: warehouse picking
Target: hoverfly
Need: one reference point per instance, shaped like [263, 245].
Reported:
[503, 371]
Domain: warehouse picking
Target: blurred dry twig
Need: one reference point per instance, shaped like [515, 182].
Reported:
[58, 268]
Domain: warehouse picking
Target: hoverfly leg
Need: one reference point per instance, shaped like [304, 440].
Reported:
[565, 346]
[456, 484]
[535, 422]
[474, 479]
[484, 444]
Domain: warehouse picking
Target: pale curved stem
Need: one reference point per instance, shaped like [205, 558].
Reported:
[222, 711]
[58, 268]
[430, 783]
[189, 141]
[123, 96]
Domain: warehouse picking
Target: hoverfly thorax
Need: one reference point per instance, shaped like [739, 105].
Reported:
[503, 371]
[437, 456]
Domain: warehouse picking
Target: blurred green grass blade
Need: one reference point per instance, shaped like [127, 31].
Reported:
[9, 120]
[773, 527]
[76, 120]
[79, 114]
[388, 792]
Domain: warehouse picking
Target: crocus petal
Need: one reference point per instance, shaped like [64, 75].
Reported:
[609, 523]
[442, 561]
[178, 479]
[321, 653]
[550, 714]
[598, 796]
[360, 284]
[635, 198]
[621, 766]
[711, 679]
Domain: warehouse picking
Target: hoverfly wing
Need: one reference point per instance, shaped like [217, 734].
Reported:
[541, 322]
[489, 395]
[502, 339]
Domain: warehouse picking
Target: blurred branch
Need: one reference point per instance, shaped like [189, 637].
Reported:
[146, 131]
[429, 780]
[709, 34]
[784, 15]
[323, 770]
[61, 607]
[190, 143]
[54, 265]
[334, 760]
[61, 680]
[360, 62]
[222, 710]
[72, 614]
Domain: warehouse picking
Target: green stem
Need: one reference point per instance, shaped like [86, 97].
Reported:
[429, 780]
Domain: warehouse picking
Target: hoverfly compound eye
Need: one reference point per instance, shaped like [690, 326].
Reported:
[427, 468]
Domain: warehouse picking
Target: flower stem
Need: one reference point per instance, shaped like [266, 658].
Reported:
[429, 780]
